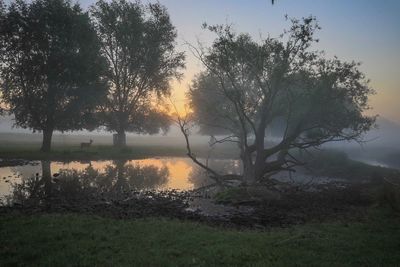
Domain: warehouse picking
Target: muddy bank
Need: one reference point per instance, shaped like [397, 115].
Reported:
[15, 162]
[294, 207]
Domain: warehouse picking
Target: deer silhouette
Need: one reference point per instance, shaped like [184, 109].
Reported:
[83, 145]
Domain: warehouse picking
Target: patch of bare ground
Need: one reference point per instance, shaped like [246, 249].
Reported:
[330, 202]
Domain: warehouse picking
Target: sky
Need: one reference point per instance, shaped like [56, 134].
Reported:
[367, 31]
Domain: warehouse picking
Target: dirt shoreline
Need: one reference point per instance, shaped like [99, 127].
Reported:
[293, 208]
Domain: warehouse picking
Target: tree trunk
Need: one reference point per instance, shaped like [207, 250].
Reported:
[121, 139]
[121, 183]
[259, 163]
[248, 169]
[46, 178]
[259, 169]
[46, 144]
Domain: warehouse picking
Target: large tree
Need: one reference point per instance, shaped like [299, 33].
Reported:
[139, 44]
[51, 66]
[249, 86]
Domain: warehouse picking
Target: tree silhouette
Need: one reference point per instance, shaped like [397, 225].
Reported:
[139, 44]
[249, 86]
[51, 66]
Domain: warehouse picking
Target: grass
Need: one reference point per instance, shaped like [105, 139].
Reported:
[59, 240]
[337, 164]
[102, 152]
[31, 152]
[232, 195]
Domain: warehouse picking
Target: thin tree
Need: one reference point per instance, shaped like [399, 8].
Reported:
[138, 42]
[51, 66]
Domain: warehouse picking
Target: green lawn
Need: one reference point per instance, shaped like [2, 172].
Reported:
[59, 240]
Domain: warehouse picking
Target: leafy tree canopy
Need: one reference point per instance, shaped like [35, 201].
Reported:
[51, 66]
[138, 42]
[249, 86]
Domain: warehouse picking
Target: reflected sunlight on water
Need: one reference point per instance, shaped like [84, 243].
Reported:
[181, 173]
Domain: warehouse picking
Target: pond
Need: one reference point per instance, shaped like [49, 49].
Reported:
[31, 179]
[158, 174]
[159, 186]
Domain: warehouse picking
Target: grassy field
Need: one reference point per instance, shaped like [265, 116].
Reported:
[100, 152]
[335, 163]
[59, 240]
[70, 152]
[104, 152]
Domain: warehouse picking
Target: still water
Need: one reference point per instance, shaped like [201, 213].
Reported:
[148, 174]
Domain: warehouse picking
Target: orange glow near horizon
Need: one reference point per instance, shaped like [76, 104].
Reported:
[179, 101]
[179, 169]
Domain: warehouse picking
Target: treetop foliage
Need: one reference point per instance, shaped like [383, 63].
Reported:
[278, 78]
[138, 42]
[51, 70]
[249, 86]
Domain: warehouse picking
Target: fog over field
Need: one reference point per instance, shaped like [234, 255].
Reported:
[9, 133]
[199, 133]
[381, 146]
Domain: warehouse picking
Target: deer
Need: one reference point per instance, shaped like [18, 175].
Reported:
[83, 145]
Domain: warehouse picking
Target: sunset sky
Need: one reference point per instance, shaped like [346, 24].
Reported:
[360, 30]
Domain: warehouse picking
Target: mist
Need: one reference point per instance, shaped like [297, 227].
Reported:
[199, 133]
[381, 144]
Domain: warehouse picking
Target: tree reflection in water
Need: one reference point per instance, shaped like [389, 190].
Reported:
[136, 177]
[110, 180]
[71, 185]
[200, 178]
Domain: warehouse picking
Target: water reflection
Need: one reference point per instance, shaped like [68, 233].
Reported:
[43, 180]
[128, 176]
[71, 184]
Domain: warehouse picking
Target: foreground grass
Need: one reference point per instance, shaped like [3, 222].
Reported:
[59, 240]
